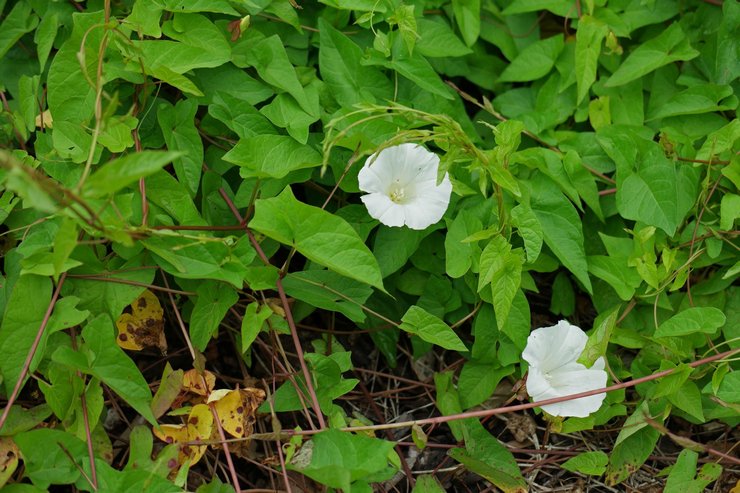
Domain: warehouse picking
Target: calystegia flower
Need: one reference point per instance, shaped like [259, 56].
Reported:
[552, 354]
[401, 186]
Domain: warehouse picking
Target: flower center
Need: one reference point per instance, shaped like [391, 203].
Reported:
[397, 194]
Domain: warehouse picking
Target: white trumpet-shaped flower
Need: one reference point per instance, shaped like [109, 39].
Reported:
[401, 186]
[552, 354]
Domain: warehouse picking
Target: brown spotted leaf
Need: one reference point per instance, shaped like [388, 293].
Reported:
[142, 324]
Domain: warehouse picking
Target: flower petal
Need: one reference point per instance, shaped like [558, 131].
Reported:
[375, 177]
[382, 208]
[552, 347]
[428, 207]
[571, 379]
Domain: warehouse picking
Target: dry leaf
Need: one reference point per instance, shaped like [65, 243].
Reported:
[8, 459]
[142, 324]
[44, 120]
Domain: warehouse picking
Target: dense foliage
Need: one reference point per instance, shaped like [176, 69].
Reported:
[189, 272]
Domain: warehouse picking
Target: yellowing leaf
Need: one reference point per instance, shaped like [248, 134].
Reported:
[142, 324]
[199, 427]
[44, 120]
[236, 409]
[194, 382]
[8, 459]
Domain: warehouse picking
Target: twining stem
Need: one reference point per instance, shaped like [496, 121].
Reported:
[32, 351]
[288, 314]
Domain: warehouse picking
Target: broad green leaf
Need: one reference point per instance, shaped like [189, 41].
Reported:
[599, 339]
[318, 235]
[44, 37]
[180, 134]
[144, 18]
[271, 61]
[201, 257]
[21, 419]
[122, 172]
[681, 478]
[70, 96]
[427, 484]
[17, 22]
[285, 112]
[417, 69]
[694, 319]
[535, 61]
[660, 193]
[558, 7]
[688, 399]
[255, 316]
[51, 464]
[592, 463]
[436, 39]
[459, 254]
[194, 42]
[338, 459]
[24, 313]
[729, 211]
[704, 98]
[213, 302]
[330, 291]
[350, 81]
[617, 273]
[669, 46]
[271, 156]
[589, 36]
[529, 228]
[166, 192]
[561, 227]
[629, 454]
[394, 246]
[485, 455]
[478, 381]
[421, 323]
[729, 389]
[240, 116]
[467, 16]
[114, 368]
[501, 267]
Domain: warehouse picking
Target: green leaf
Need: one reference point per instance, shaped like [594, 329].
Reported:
[682, 476]
[419, 322]
[271, 156]
[337, 459]
[240, 116]
[122, 172]
[18, 22]
[24, 312]
[427, 484]
[501, 267]
[180, 134]
[704, 98]
[729, 211]
[467, 16]
[694, 319]
[486, 456]
[436, 39]
[688, 399]
[589, 36]
[318, 235]
[617, 273]
[271, 61]
[285, 112]
[669, 46]
[21, 419]
[114, 368]
[51, 464]
[213, 302]
[417, 69]
[535, 61]
[330, 291]
[350, 81]
[459, 254]
[658, 193]
[561, 227]
[478, 381]
[44, 37]
[255, 316]
[194, 42]
[529, 228]
[628, 455]
[592, 463]
[729, 389]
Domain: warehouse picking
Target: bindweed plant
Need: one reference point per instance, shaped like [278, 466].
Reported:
[255, 244]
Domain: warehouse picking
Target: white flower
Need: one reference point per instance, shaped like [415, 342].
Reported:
[401, 186]
[554, 372]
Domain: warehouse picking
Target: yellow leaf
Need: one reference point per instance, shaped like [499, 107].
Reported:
[142, 324]
[44, 120]
[193, 382]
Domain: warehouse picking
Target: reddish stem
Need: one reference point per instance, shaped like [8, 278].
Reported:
[288, 314]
